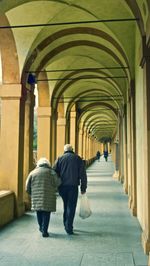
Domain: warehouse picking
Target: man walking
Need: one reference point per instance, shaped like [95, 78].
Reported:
[98, 155]
[71, 169]
[106, 155]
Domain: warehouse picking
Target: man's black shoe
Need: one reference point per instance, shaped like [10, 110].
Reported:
[45, 234]
[70, 232]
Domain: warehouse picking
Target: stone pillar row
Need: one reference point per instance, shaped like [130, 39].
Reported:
[73, 129]
[16, 139]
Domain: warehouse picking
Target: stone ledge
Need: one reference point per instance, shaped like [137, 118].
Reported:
[4, 193]
[145, 243]
[7, 203]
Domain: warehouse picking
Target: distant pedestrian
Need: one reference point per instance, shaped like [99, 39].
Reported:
[41, 185]
[106, 155]
[71, 169]
[98, 155]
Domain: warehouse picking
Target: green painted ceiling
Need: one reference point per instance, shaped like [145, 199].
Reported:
[99, 93]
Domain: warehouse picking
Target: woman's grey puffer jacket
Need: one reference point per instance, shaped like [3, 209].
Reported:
[42, 184]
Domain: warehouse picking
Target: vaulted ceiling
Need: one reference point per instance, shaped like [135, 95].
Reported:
[87, 50]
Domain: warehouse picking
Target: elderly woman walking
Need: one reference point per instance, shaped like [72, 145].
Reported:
[41, 185]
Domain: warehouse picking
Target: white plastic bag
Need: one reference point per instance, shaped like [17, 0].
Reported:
[85, 210]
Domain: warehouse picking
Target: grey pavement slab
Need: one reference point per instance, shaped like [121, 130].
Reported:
[111, 236]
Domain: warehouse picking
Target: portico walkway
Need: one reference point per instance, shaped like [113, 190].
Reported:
[111, 236]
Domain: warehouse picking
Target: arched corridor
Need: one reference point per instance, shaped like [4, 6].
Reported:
[111, 236]
[78, 72]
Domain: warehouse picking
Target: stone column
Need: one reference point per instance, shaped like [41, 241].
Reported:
[121, 166]
[116, 160]
[148, 34]
[87, 146]
[61, 124]
[12, 143]
[129, 156]
[125, 185]
[95, 147]
[67, 140]
[32, 96]
[28, 142]
[90, 148]
[145, 63]
[43, 132]
[53, 138]
[84, 143]
[80, 143]
[103, 147]
[109, 147]
[133, 153]
[116, 151]
[73, 129]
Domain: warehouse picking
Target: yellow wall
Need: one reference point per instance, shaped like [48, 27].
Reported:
[139, 136]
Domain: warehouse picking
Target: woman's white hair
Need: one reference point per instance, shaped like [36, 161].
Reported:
[68, 147]
[42, 161]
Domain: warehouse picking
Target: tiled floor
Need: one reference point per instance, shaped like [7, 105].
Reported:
[110, 237]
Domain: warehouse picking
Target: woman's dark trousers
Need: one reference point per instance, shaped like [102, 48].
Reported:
[69, 195]
[43, 218]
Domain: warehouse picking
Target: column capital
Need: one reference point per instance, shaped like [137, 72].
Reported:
[44, 111]
[61, 121]
[9, 91]
[73, 114]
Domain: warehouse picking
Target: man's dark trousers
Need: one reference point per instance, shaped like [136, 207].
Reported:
[69, 195]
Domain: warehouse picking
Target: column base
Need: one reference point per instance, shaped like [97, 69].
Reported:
[149, 260]
[27, 206]
[122, 179]
[125, 188]
[133, 209]
[116, 175]
[19, 209]
[129, 202]
[146, 244]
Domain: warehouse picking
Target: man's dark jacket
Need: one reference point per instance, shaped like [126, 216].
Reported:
[71, 169]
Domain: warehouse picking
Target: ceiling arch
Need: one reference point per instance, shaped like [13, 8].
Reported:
[9, 58]
[73, 31]
[73, 47]
[97, 123]
[96, 93]
[115, 111]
